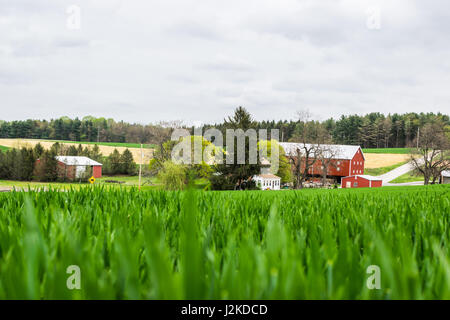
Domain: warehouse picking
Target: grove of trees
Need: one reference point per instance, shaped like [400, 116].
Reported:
[22, 165]
[373, 130]
[88, 129]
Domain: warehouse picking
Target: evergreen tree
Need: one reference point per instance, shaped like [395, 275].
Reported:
[86, 152]
[72, 151]
[128, 164]
[236, 176]
[56, 148]
[3, 167]
[80, 150]
[241, 119]
[114, 162]
[27, 164]
[95, 153]
[50, 166]
[47, 168]
[38, 150]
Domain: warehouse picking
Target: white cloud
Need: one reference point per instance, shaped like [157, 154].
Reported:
[198, 60]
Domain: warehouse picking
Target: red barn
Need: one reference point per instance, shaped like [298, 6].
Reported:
[72, 167]
[343, 160]
[361, 181]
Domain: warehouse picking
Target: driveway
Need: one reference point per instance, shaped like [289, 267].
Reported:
[397, 172]
[415, 183]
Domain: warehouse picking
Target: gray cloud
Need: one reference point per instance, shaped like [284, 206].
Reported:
[195, 30]
[199, 59]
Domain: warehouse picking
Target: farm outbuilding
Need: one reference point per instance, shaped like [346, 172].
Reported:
[343, 160]
[361, 181]
[445, 177]
[73, 167]
[266, 180]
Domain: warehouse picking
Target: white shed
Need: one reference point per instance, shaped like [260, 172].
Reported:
[445, 177]
[266, 180]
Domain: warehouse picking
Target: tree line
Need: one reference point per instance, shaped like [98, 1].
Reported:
[88, 129]
[373, 130]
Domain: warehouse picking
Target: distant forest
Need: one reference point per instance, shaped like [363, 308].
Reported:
[373, 130]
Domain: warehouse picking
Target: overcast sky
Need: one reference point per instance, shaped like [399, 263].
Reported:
[197, 60]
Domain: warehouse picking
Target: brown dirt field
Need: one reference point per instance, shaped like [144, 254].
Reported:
[105, 150]
[379, 160]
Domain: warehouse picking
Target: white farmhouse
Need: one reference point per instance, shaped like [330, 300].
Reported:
[266, 180]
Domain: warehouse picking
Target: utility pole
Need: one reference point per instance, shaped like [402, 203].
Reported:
[140, 169]
[418, 135]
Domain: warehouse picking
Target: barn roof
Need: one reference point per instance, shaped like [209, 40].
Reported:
[340, 151]
[367, 177]
[445, 173]
[77, 161]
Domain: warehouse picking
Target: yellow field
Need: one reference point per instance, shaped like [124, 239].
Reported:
[105, 150]
[373, 160]
[379, 160]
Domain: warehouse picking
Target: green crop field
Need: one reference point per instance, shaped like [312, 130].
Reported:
[309, 244]
[387, 150]
[3, 148]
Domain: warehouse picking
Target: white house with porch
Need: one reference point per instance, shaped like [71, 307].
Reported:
[266, 180]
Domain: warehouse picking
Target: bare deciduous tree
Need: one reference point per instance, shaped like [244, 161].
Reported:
[327, 155]
[304, 156]
[433, 154]
[302, 160]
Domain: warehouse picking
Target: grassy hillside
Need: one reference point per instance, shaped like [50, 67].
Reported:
[311, 244]
[408, 177]
[2, 148]
[387, 150]
[382, 170]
